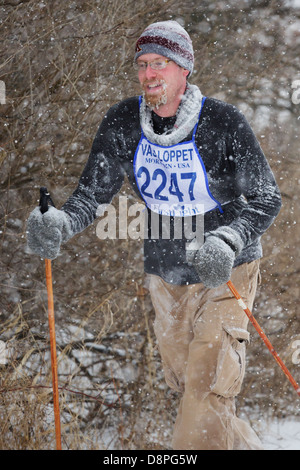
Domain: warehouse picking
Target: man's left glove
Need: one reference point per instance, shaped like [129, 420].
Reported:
[215, 259]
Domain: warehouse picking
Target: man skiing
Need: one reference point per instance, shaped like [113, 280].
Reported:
[205, 162]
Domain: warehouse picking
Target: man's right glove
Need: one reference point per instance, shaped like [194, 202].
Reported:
[46, 232]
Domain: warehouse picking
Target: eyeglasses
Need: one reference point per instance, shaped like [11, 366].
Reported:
[159, 64]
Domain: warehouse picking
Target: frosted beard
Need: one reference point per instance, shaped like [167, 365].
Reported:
[154, 101]
[186, 118]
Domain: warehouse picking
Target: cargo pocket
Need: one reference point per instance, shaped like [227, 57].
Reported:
[231, 362]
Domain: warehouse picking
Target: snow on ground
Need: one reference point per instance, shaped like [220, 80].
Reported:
[293, 3]
[281, 435]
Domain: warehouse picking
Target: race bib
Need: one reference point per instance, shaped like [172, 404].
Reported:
[172, 180]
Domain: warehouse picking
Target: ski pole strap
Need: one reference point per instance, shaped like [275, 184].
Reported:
[45, 199]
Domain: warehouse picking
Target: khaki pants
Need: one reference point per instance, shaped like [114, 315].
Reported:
[202, 336]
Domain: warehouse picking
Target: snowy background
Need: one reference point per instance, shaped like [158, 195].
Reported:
[62, 68]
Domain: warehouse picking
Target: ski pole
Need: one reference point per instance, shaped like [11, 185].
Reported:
[44, 200]
[263, 336]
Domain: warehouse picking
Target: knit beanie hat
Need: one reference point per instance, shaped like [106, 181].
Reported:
[169, 39]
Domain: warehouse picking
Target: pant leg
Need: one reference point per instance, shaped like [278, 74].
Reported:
[202, 336]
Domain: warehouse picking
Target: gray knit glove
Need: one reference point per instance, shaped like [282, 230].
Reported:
[214, 260]
[46, 232]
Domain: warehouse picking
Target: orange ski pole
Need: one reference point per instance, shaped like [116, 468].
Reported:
[45, 197]
[53, 353]
[263, 336]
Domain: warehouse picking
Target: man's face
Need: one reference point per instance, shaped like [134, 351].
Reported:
[163, 88]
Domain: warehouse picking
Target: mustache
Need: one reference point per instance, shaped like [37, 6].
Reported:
[151, 82]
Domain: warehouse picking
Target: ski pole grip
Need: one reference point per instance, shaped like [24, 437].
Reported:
[45, 198]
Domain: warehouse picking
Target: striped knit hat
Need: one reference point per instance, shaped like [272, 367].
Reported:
[169, 39]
